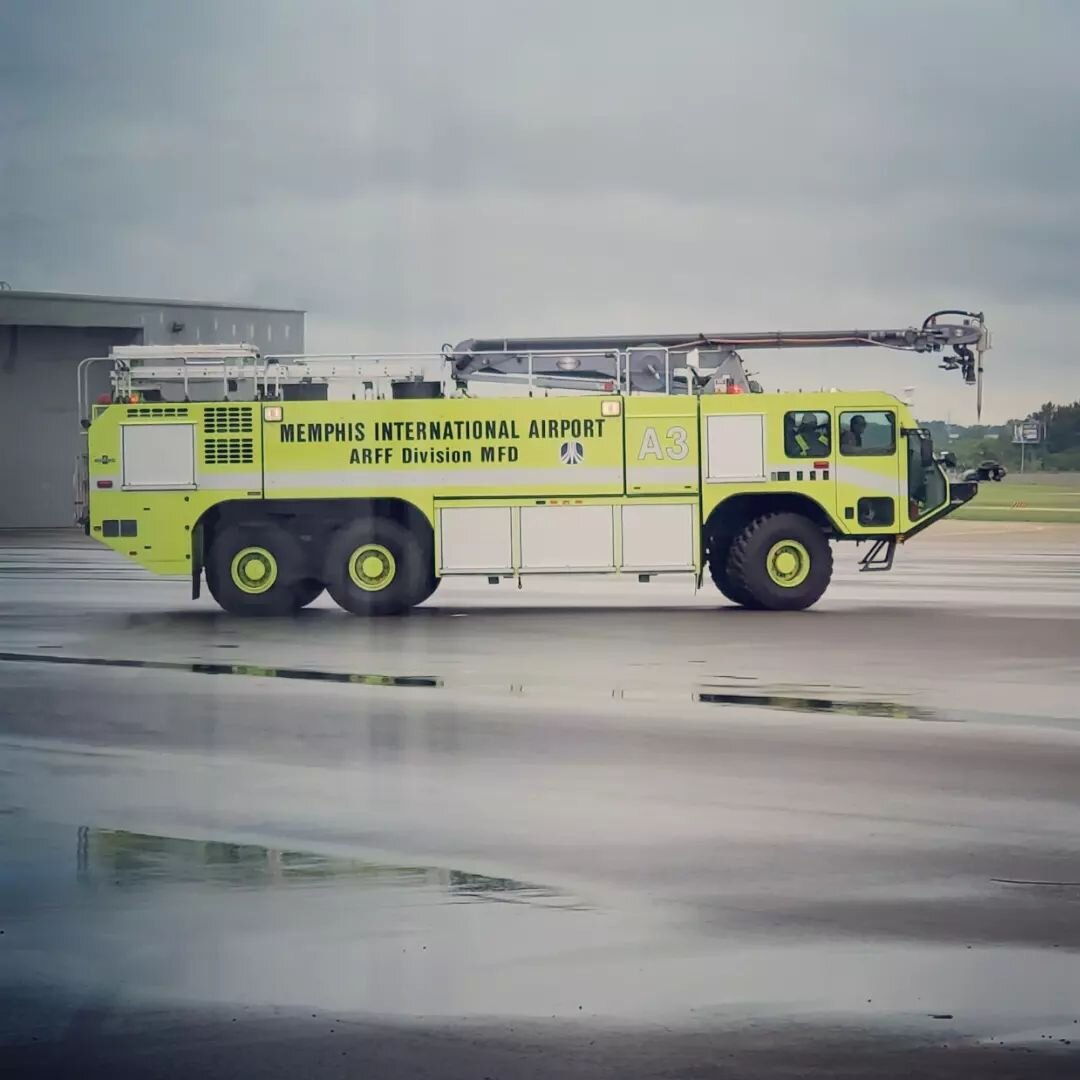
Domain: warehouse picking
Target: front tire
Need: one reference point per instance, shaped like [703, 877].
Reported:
[253, 569]
[378, 567]
[780, 562]
[719, 549]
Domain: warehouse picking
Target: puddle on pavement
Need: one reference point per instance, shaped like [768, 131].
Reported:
[800, 699]
[734, 690]
[892, 710]
[109, 857]
[204, 668]
[118, 915]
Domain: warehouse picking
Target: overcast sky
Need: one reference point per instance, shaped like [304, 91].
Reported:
[419, 172]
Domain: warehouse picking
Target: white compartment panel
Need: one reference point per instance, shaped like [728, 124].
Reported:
[158, 455]
[658, 537]
[475, 538]
[736, 447]
[567, 538]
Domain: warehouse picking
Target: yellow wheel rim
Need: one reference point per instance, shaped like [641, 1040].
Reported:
[788, 564]
[372, 567]
[254, 570]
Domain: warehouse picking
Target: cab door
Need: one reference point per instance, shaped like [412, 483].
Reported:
[808, 464]
[662, 455]
[868, 473]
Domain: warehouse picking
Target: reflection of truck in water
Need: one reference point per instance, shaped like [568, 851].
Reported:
[986, 470]
[122, 858]
[374, 477]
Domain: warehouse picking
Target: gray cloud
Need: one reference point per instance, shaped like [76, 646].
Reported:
[414, 172]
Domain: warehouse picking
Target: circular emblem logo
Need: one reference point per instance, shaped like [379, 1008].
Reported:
[571, 453]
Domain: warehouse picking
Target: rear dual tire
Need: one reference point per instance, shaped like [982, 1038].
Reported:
[372, 566]
[376, 566]
[255, 570]
[307, 591]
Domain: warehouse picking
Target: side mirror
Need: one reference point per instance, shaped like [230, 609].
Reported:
[926, 449]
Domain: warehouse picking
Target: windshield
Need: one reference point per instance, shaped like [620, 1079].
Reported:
[927, 487]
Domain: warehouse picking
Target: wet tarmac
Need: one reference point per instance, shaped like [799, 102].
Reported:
[585, 829]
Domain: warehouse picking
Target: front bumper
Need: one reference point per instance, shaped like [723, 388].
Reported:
[960, 492]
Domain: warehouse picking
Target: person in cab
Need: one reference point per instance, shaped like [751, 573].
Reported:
[809, 439]
[851, 438]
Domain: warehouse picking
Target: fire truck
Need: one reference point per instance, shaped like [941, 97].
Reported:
[272, 478]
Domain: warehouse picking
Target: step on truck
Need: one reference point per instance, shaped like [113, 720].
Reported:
[272, 478]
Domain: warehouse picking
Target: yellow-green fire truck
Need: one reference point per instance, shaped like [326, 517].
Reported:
[375, 477]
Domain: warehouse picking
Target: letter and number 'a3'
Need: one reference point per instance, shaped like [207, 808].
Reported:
[673, 446]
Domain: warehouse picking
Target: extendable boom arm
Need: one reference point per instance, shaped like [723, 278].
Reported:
[965, 335]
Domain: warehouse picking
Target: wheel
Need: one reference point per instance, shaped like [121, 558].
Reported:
[306, 591]
[253, 569]
[377, 567]
[781, 562]
[429, 590]
[719, 547]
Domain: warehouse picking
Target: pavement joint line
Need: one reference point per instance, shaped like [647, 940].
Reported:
[206, 668]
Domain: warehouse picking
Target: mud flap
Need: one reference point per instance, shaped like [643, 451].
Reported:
[196, 562]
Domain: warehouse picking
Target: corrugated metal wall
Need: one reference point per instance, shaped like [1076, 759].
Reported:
[39, 429]
[39, 426]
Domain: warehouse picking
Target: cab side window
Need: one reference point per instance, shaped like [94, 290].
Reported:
[807, 435]
[867, 434]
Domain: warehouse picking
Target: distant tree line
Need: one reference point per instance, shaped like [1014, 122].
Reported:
[1058, 452]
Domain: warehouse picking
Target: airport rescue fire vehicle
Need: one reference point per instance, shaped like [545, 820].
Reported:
[375, 477]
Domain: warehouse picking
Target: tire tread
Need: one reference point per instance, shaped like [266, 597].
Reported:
[287, 552]
[745, 575]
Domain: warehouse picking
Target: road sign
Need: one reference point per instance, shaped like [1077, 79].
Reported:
[1027, 431]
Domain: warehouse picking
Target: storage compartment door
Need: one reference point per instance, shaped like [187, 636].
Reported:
[736, 448]
[475, 540]
[658, 537]
[158, 455]
[567, 538]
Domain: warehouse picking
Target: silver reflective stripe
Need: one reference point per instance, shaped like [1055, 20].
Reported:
[868, 480]
[240, 481]
[558, 480]
[661, 474]
[231, 481]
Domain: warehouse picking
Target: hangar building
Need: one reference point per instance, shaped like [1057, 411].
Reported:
[43, 336]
